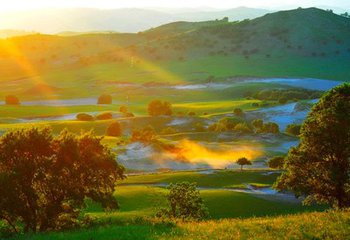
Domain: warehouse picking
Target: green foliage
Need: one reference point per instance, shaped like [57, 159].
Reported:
[226, 124]
[243, 128]
[168, 131]
[123, 109]
[11, 100]
[44, 180]
[104, 99]
[84, 117]
[276, 162]
[319, 167]
[270, 127]
[258, 124]
[283, 95]
[282, 100]
[147, 134]
[114, 129]
[293, 129]
[158, 108]
[184, 202]
[238, 112]
[243, 161]
[104, 116]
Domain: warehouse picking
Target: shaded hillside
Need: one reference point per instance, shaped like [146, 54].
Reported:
[306, 32]
[300, 43]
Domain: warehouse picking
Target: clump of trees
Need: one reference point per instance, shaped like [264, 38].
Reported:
[184, 202]
[11, 100]
[84, 117]
[104, 99]
[225, 124]
[146, 134]
[261, 127]
[243, 161]
[276, 162]
[114, 129]
[104, 116]
[293, 129]
[318, 167]
[284, 95]
[45, 179]
[159, 108]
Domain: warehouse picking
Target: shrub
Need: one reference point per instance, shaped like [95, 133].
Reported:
[293, 129]
[46, 179]
[158, 108]
[270, 127]
[114, 129]
[146, 134]
[238, 112]
[104, 116]
[11, 100]
[123, 109]
[276, 162]
[258, 124]
[227, 124]
[191, 114]
[104, 99]
[129, 115]
[184, 202]
[84, 117]
[199, 127]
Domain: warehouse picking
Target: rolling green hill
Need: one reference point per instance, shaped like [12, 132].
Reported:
[297, 43]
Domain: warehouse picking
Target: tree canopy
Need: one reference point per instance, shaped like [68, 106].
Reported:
[243, 161]
[158, 108]
[319, 166]
[45, 179]
[184, 202]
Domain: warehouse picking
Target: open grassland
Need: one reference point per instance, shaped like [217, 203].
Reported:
[223, 179]
[254, 216]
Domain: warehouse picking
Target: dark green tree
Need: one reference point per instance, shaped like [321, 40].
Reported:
[319, 166]
[45, 180]
[158, 108]
[243, 161]
[276, 162]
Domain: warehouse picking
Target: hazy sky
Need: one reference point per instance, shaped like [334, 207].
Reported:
[6, 5]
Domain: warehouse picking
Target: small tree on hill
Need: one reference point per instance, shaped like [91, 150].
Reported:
[104, 99]
[184, 202]
[45, 180]
[319, 167]
[11, 100]
[123, 109]
[243, 161]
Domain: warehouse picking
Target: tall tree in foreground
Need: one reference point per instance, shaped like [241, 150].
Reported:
[319, 167]
[44, 180]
